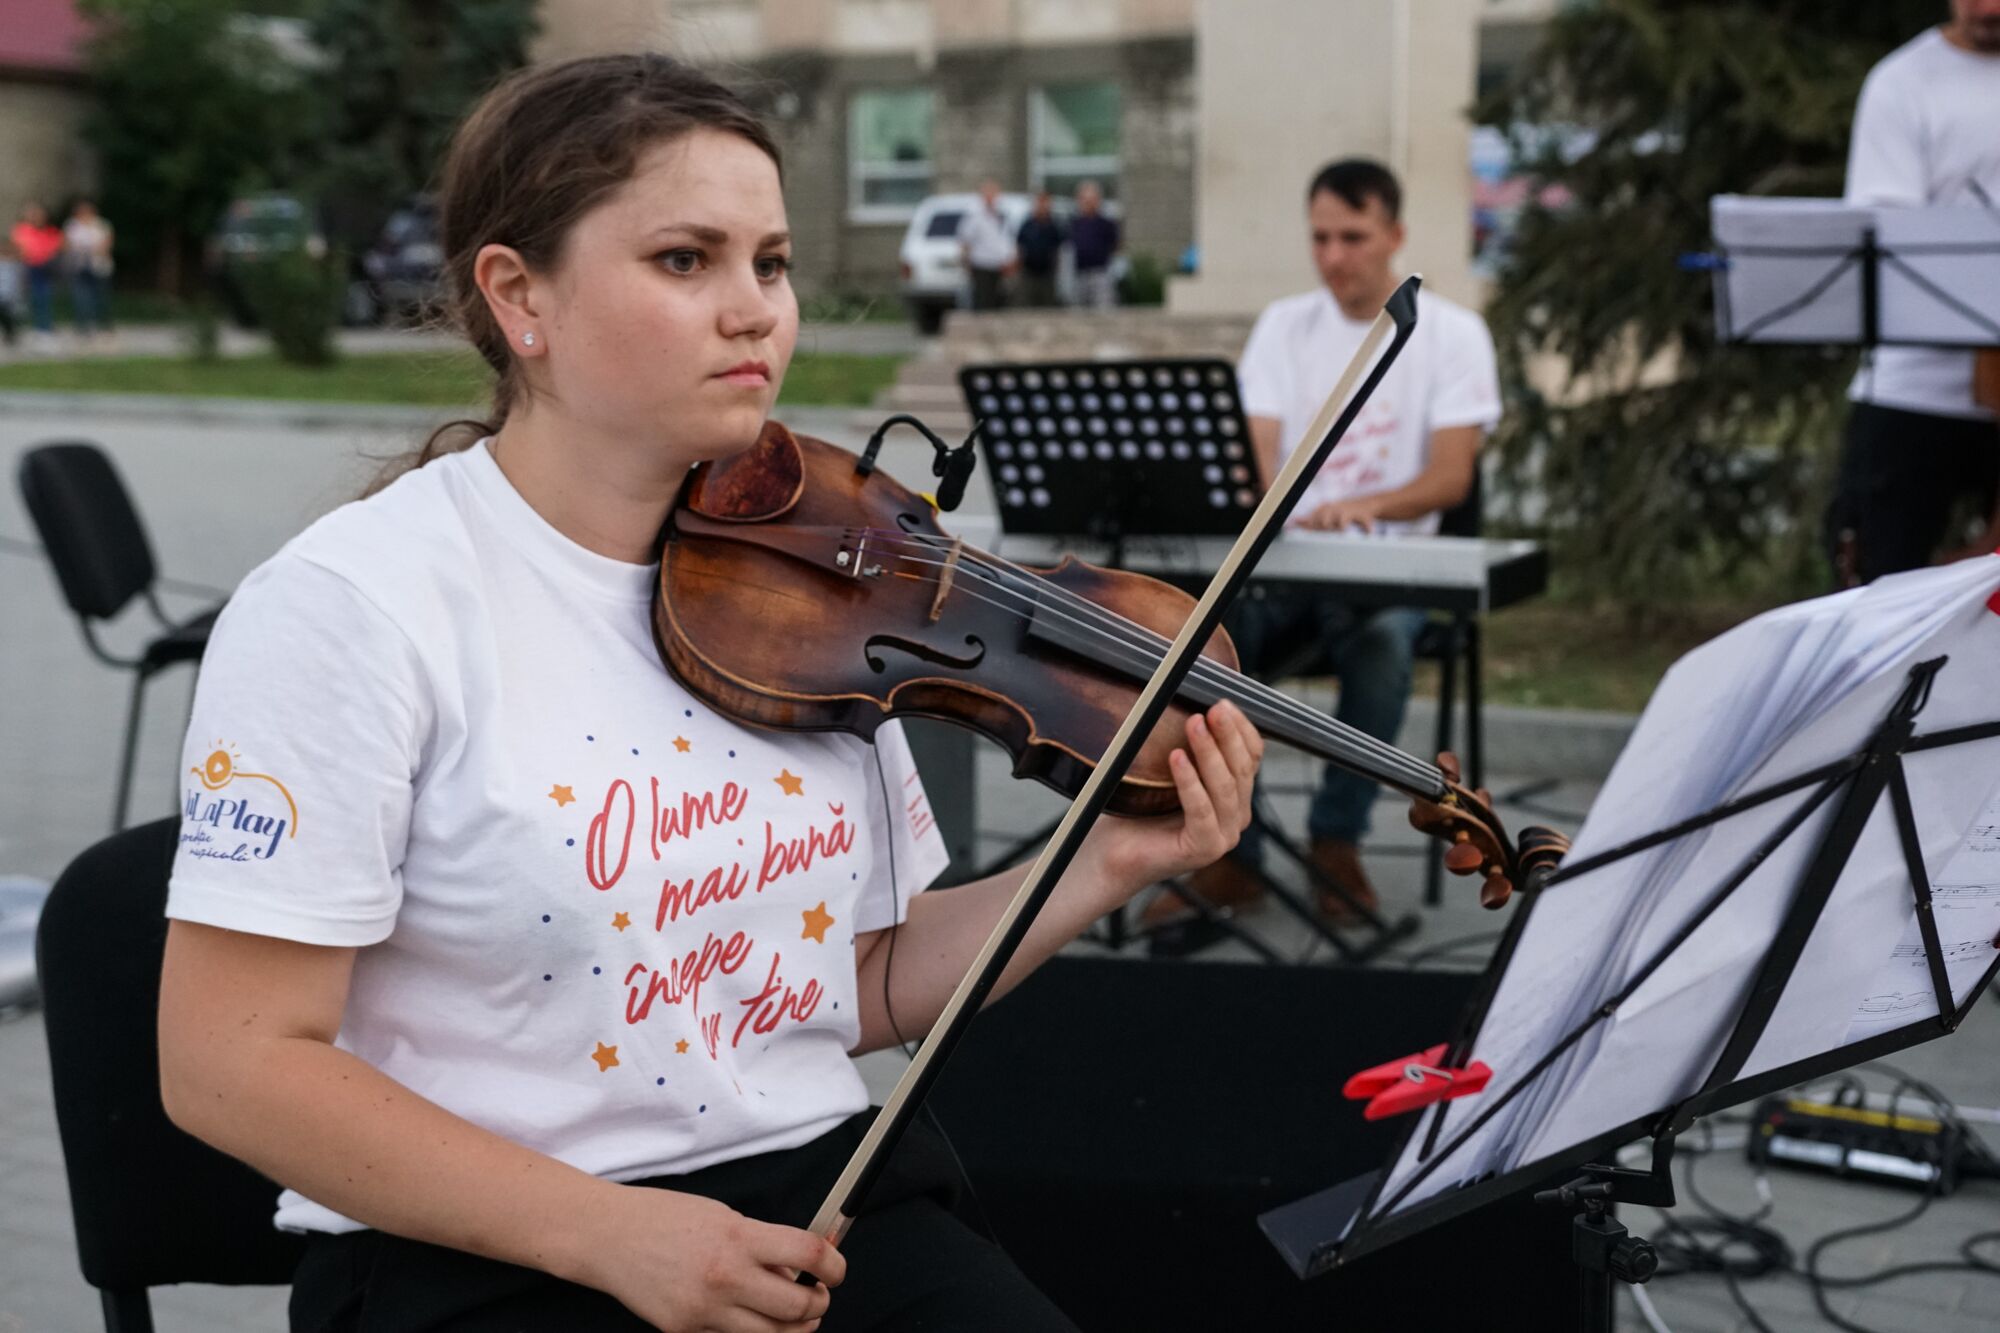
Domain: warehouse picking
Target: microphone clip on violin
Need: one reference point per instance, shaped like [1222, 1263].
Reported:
[953, 464]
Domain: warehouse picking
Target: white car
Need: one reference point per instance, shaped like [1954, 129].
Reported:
[933, 266]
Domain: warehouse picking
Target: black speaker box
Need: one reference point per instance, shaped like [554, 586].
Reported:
[1124, 1122]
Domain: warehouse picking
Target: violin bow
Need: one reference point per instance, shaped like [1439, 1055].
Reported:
[844, 1201]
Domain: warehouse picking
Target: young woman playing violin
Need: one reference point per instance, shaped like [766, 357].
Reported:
[533, 979]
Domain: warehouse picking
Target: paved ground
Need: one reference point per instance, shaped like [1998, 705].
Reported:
[872, 337]
[221, 491]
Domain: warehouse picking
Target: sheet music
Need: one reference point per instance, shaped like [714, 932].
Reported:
[1965, 903]
[1784, 694]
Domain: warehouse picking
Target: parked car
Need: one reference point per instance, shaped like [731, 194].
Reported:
[933, 268]
[404, 268]
[258, 228]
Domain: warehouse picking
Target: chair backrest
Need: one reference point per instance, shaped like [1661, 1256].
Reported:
[88, 525]
[152, 1205]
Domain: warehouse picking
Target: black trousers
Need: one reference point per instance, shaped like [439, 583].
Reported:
[914, 1263]
[987, 293]
[1901, 476]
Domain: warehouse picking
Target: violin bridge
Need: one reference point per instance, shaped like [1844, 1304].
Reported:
[945, 573]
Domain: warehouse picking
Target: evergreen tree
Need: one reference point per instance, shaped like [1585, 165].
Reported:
[190, 104]
[398, 76]
[1707, 474]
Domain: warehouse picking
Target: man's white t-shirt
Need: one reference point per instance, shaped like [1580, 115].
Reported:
[592, 915]
[1926, 131]
[983, 233]
[1445, 377]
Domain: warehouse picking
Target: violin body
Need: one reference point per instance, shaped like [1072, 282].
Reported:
[802, 591]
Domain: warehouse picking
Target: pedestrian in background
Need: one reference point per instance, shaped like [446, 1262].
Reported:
[1094, 241]
[988, 248]
[11, 281]
[40, 246]
[87, 255]
[1040, 243]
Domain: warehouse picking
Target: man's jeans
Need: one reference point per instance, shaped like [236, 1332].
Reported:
[1370, 650]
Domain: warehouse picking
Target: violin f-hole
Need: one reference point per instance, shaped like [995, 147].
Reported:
[924, 652]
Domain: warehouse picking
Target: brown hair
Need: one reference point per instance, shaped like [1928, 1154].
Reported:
[542, 149]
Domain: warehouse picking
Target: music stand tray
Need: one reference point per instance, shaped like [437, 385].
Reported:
[1815, 271]
[1114, 449]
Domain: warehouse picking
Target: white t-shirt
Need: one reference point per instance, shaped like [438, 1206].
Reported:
[592, 915]
[985, 236]
[1926, 131]
[1446, 377]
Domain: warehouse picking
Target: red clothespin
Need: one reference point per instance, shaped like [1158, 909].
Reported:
[1412, 1082]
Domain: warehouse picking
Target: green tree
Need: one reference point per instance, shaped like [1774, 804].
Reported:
[1707, 475]
[190, 102]
[398, 76]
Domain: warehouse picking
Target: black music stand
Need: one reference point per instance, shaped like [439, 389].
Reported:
[1353, 1219]
[1110, 450]
[1815, 272]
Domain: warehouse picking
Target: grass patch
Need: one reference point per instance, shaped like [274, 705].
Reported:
[1557, 654]
[454, 378]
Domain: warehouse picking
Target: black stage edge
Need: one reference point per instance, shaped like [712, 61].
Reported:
[1125, 1122]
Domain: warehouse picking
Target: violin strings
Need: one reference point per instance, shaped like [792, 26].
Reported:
[1213, 673]
[1338, 737]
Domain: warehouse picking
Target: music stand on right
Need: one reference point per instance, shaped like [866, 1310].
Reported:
[1683, 1004]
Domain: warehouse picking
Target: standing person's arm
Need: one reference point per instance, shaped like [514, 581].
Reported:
[1885, 157]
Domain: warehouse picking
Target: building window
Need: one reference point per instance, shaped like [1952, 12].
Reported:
[1073, 137]
[888, 153]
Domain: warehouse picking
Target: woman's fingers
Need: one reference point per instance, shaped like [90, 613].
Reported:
[1200, 828]
[776, 1246]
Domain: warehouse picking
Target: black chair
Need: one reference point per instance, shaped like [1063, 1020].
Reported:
[152, 1205]
[103, 560]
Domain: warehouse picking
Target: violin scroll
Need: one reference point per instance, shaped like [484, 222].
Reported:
[1479, 845]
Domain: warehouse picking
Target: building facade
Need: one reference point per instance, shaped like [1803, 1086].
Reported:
[43, 101]
[878, 103]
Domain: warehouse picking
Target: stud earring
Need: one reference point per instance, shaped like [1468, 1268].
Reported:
[528, 339]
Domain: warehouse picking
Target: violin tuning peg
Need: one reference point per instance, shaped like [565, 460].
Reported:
[1462, 858]
[1495, 891]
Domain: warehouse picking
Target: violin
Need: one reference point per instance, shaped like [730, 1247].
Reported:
[800, 589]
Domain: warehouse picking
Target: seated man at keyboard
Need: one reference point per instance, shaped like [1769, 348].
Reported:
[1410, 456]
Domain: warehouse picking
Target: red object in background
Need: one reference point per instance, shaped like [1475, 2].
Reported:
[1412, 1082]
[42, 37]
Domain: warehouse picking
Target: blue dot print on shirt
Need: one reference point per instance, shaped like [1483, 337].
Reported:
[597, 971]
[635, 750]
[547, 976]
[659, 1083]
[687, 712]
[590, 738]
[569, 842]
[732, 754]
[702, 1109]
[545, 918]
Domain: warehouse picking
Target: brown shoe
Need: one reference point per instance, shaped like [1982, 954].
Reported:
[1341, 863]
[1227, 883]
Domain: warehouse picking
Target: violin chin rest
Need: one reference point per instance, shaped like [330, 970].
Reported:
[760, 483]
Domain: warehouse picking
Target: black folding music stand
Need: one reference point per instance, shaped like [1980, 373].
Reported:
[1111, 450]
[1115, 449]
[1360, 1216]
[1834, 289]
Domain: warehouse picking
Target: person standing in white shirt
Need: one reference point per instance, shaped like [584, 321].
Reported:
[1920, 445]
[1411, 455]
[533, 978]
[987, 247]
